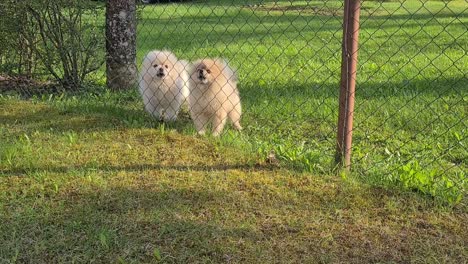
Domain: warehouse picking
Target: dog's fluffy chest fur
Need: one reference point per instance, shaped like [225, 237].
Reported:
[206, 98]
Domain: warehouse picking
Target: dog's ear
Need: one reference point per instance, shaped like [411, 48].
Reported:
[193, 66]
[221, 62]
[229, 72]
[234, 76]
[201, 65]
[187, 66]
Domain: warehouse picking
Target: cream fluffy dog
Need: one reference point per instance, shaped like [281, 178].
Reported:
[163, 84]
[213, 96]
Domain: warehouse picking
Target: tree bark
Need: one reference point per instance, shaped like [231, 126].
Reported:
[121, 23]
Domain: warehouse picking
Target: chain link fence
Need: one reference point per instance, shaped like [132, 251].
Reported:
[410, 116]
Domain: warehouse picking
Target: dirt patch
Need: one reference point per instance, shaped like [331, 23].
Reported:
[26, 86]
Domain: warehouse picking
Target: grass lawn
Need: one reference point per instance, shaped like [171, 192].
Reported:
[91, 178]
[84, 186]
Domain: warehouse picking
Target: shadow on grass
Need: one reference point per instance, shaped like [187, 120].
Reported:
[239, 25]
[85, 117]
[146, 218]
[128, 224]
[138, 168]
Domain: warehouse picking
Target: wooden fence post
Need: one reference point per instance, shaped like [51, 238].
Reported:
[348, 82]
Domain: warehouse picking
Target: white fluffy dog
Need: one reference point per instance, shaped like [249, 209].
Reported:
[163, 84]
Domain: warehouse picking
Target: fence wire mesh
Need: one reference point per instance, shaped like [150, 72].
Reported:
[410, 116]
[284, 59]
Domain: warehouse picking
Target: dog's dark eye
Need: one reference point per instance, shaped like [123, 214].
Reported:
[208, 71]
[155, 65]
[166, 66]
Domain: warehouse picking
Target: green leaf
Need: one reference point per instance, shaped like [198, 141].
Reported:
[157, 254]
[103, 239]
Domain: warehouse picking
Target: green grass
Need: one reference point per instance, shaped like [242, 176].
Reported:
[81, 184]
[90, 177]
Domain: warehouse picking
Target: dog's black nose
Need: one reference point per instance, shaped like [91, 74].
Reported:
[160, 73]
[161, 70]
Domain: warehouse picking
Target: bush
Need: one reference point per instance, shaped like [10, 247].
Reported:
[61, 38]
[15, 55]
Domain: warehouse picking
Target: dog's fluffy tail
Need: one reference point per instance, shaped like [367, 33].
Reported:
[183, 82]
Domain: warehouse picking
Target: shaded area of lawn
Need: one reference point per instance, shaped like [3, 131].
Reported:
[219, 216]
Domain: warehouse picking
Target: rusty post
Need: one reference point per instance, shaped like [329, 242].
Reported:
[348, 82]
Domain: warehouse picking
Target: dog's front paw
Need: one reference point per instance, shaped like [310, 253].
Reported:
[238, 127]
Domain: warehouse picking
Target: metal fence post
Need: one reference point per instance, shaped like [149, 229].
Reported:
[348, 82]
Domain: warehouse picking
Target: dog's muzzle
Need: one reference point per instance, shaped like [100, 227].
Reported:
[160, 73]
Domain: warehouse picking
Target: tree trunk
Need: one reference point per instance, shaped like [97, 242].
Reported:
[121, 44]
